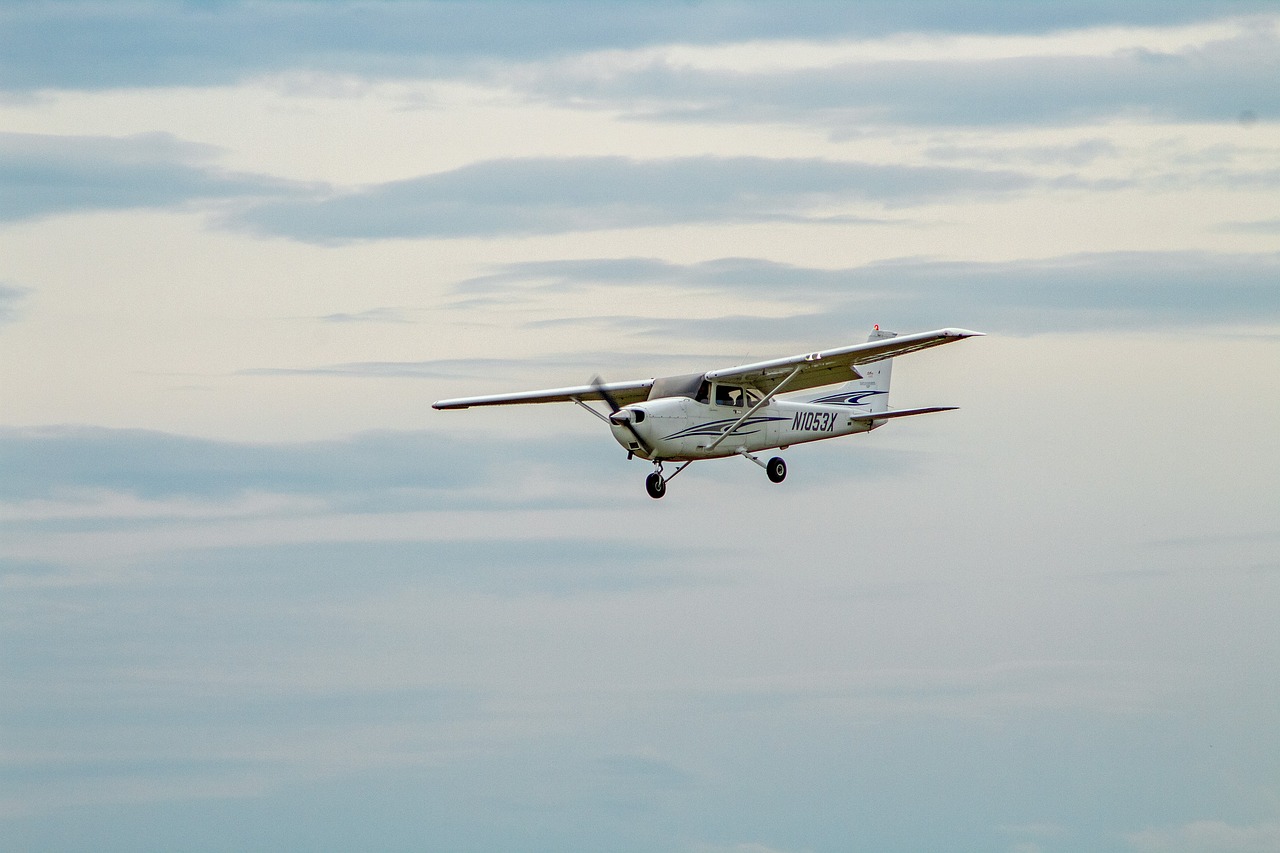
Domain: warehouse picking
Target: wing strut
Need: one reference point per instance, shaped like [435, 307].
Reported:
[757, 407]
[589, 409]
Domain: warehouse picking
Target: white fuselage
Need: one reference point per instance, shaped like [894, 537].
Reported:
[681, 428]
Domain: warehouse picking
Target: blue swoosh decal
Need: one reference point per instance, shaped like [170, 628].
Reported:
[717, 428]
[856, 398]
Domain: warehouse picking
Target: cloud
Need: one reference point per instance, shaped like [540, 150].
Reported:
[93, 478]
[44, 462]
[224, 672]
[1260, 226]
[1140, 290]
[1208, 836]
[1076, 154]
[1213, 82]
[566, 364]
[508, 567]
[1007, 688]
[556, 195]
[95, 44]
[380, 471]
[386, 314]
[10, 299]
[644, 771]
[1047, 830]
[740, 847]
[43, 175]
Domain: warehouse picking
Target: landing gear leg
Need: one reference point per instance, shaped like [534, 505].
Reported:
[775, 467]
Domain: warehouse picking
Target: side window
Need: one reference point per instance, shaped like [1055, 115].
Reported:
[753, 396]
[727, 395]
[704, 392]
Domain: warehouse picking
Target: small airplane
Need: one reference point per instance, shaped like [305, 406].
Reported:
[737, 411]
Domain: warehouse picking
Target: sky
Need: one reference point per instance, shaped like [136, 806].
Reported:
[256, 594]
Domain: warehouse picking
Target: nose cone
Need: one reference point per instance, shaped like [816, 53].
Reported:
[627, 427]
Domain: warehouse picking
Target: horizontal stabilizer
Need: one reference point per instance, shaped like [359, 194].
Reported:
[901, 413]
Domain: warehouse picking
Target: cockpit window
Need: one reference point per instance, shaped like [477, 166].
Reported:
[728, 395]
[704, 392]
[753, 396]
[687, 385]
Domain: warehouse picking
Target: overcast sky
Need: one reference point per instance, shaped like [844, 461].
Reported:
[256, 594]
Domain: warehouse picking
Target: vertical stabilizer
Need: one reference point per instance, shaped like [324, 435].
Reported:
[875, 376]
[871, 392]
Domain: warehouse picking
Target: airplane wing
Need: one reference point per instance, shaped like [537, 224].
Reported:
[827, 367]
[624, 393]
[832, 366]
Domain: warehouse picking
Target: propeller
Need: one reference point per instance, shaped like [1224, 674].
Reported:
[616, 413]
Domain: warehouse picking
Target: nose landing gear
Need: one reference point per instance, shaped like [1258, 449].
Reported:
[655, 485]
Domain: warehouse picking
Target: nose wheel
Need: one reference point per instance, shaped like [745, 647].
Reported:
[655, 485]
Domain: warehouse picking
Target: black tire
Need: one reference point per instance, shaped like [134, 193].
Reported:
[776, 469]
[655, 485]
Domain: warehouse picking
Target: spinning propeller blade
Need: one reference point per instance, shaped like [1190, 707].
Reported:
[598, 384]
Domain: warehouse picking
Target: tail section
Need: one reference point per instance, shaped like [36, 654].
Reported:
[867, 395]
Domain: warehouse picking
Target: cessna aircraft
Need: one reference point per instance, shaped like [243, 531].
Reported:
[737, 412]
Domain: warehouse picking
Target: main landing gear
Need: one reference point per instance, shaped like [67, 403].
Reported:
[656, 484]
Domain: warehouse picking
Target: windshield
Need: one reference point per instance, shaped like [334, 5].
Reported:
[676, 386]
